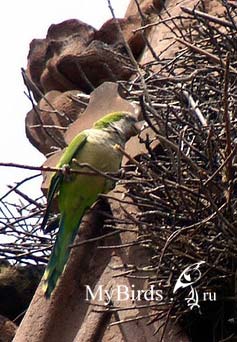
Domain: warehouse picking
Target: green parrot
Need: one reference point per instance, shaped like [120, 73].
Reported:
[77, 192]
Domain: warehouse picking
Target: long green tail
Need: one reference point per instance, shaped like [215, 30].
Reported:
[60, 254]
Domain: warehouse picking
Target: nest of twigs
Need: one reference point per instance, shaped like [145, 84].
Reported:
[186, 188]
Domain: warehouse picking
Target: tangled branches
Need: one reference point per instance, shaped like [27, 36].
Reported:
[21, 240]
[185, 190]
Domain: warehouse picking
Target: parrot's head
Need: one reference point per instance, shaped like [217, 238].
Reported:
[122, 123]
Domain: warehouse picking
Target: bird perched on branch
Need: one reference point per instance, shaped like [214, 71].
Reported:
[95, 147]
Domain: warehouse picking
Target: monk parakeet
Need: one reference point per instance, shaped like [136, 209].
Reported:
[77, 192]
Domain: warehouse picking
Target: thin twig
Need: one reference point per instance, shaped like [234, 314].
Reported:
[209, 55]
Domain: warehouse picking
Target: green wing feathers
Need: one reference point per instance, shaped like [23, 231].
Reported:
[73, 148]
[53, 189]
[68, 225]
[61, 250]
[57, 178]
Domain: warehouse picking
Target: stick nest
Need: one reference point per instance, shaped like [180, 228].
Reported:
[185, 188]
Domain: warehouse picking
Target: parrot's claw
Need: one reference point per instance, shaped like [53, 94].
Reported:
[66, 169]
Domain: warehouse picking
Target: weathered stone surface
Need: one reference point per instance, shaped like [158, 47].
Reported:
[76, 56]
[46, 124]
[110, 34]
[70, 36]
[7, 329]
[98, 63]
[36, 62]
[146, 7]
